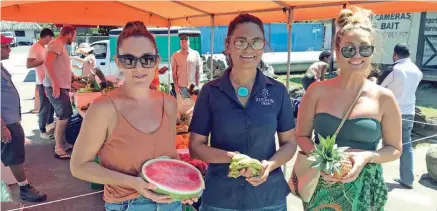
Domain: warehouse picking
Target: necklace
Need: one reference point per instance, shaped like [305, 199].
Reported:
[242, 91]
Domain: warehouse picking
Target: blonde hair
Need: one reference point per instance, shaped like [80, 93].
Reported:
[352, 19]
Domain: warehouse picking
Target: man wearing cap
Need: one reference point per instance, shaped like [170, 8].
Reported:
[35, 59]
[12, 134]
[57, 83]
[186, 66]
[403, 80]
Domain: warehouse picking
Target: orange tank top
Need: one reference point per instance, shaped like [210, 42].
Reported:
[127, 149]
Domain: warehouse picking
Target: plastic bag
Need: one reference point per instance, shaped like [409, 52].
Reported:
[5, 193]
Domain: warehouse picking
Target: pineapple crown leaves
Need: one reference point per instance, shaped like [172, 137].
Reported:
[327, 155]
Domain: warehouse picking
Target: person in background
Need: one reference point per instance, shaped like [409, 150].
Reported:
[57, 83]
[374, 117]
[186, 66]
[316, 72]
[88, 61]
[12, 134]
[35, 59]
[403, 79]
[128, 127]
[267, 69]
[242, 112]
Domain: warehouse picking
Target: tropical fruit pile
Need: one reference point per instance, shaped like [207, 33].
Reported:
[329, 158]
[240, 161]
[200, 165]
[182, 141]
[175, 178]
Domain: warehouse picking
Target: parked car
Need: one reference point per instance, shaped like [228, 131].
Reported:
[11, 35]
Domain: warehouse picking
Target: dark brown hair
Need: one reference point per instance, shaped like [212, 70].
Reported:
[136, 29]
[244, 18]
[67, 29]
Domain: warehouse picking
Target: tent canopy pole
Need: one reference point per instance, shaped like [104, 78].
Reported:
[289, 26]
[212, 48]
[169, 57]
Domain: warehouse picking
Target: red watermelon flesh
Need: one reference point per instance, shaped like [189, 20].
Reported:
[176, 178]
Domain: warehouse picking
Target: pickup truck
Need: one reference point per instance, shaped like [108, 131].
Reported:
[108, 66]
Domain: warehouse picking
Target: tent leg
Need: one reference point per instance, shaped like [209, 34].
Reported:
[331, 64]
[289, 26]
[169, 59]
[212, 49]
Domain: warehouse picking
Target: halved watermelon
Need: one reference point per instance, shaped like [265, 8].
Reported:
[176, 178]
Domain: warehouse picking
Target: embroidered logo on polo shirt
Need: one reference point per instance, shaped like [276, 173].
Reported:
[264, 98]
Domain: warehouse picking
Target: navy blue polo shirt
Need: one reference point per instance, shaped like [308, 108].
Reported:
[249, 130]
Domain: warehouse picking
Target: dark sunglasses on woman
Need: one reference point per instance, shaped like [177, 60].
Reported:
[129, 61]
[351, 51]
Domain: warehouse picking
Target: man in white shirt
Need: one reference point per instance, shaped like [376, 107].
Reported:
[403, 81]
[186, 66]
[35, 59]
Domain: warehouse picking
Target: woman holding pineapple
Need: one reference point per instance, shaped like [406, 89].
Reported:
[350, 180]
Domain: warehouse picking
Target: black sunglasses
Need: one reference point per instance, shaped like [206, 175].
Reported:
[351, 51]
[184, 38]
[129, 61]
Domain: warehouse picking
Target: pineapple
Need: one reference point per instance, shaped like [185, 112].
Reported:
[331, 159]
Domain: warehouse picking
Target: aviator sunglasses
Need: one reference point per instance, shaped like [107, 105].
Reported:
[351, 51]
[129, 61]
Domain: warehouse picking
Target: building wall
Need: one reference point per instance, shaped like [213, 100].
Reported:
[430, 29]
[393, 29]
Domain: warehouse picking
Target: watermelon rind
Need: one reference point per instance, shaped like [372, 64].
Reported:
[176, 195]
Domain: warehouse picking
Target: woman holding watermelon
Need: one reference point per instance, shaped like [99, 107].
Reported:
[127, 127]
[352, 180]
[241, 112]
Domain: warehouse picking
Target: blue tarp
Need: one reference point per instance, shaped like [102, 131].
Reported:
[305, 37]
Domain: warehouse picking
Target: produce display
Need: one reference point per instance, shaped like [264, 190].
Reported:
[108, 89]
[181, 128]
[87, 89]
[240, 161]
[331, 159]
[182, 141]
[164, 88]
[178, 179]
[184, 119]
[200, 165]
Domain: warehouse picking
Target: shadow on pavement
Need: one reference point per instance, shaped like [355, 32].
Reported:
[428, 182]
[52, 176]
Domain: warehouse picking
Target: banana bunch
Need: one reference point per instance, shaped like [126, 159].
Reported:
[240, 161]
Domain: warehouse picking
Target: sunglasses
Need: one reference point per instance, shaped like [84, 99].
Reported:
[351, 51]
[242, 44]
[184, 38]
[129, 61]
